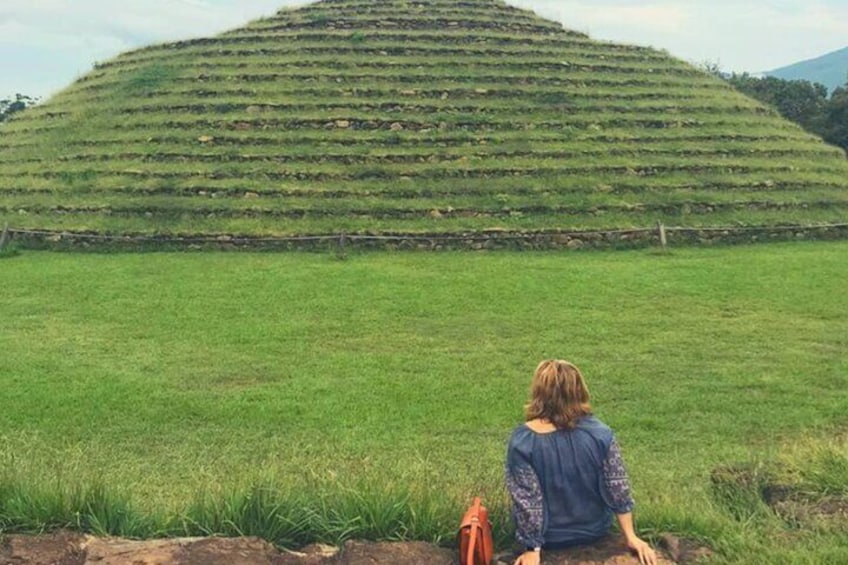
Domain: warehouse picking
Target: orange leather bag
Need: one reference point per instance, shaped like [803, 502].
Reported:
[475, 536]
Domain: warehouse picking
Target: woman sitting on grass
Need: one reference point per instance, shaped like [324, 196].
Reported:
[564, 470]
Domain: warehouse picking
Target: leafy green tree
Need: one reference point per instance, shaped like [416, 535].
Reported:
[835, 121]
[801, 101]
[10, 106]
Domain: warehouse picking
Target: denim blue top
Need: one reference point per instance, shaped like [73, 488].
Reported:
[566, 485]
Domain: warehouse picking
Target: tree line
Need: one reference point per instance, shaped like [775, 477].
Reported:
[11, 106]
[805, 103]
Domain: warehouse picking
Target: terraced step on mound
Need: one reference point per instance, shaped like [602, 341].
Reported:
[412, 116]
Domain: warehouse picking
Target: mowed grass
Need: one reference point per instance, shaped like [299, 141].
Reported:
[303, 397]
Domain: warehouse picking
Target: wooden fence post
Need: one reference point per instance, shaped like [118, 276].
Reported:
[340, 249]
[663, 239]
[4, 237]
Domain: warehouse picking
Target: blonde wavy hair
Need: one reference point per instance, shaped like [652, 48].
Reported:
[558, 394]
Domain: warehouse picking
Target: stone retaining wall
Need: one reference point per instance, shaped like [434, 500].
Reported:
[487, 240]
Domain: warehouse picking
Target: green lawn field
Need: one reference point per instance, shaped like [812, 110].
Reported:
[303, 397]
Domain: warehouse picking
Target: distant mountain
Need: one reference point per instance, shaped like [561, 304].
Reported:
[830, 70]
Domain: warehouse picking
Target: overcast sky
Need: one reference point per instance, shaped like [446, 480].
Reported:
[46, 44]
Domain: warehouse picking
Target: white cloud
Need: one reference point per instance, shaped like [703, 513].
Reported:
[14, 32]
[668, 16]
[82, 32]
[753, 35]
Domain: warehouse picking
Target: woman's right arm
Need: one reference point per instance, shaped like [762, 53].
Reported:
[525, 490]
[646, 554]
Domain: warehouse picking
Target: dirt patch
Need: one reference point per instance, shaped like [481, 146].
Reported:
[65, 548]
[364, 553]
[60, 548]
[744, 488]
[113, 551]
[801, 512]
[317, 554]
[681, 550]
[804, 510]
[613, 551]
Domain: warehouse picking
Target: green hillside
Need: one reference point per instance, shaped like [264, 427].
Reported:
[407, 116]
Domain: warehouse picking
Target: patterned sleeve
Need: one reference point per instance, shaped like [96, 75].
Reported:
[526, 493]
[616, 483]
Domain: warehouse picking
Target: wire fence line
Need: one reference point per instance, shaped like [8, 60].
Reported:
[496, 238]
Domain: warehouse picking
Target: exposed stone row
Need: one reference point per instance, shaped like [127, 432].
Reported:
[485, 240]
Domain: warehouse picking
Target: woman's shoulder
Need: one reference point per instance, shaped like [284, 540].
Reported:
[521, 443]
[521, 436]
[595, 427]
[521, 431]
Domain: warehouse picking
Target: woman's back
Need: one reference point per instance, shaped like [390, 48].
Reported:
[564, 470]
[569, 468]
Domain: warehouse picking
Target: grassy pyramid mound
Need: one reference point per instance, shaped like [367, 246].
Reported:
[407, 116]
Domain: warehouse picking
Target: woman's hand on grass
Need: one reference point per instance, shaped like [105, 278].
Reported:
[529, 558]
[647, 555]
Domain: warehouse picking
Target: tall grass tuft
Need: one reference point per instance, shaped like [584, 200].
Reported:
[285, 517]
[261, 511]
[10, 250]
[296, 518]
[738, 489]
[92, 509]
[824, 468]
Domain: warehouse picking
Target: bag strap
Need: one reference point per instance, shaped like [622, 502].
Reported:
[475, 525]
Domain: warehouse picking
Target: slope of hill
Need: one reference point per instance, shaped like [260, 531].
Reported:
[830, 70]
[407, 116]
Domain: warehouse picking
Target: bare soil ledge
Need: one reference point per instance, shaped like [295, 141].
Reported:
[67, 548]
